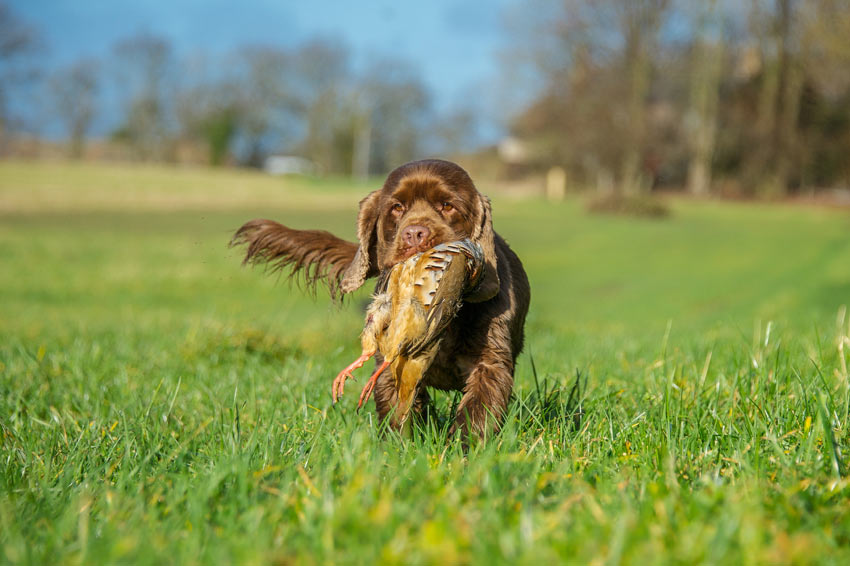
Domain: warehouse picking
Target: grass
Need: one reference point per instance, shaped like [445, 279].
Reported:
[161, 404]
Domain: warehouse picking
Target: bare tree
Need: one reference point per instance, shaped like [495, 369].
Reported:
[771, 163]
[825, 32]
[18, 42]
[455, 130]
[789, 89]
[145, 68]
[400, 111]
[336, 110]
[825, 102]
[639, 22]
[705, 78]
[263, 99]
[74, 92]
[208, 107]
[209, 113]
[595, 59]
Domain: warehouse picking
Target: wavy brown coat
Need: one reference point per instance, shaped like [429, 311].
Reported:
[422, 204]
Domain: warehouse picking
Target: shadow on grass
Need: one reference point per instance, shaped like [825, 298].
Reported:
[550, 405]
[552, 402]
[226, 345]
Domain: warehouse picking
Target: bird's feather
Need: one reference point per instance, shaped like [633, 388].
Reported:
[414, 303]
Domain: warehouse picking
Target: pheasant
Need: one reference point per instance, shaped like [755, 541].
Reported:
[405, 321]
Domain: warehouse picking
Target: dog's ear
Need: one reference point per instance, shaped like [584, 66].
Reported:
[485, 237]
[365, 262]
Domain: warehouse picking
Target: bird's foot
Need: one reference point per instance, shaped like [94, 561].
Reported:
[339, 382]
[370, 385]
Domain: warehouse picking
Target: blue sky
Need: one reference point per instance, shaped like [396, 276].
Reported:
[453, 45]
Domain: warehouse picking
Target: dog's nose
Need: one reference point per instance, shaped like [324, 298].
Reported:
[415, 235]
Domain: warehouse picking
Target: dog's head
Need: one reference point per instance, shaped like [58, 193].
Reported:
[422, 204]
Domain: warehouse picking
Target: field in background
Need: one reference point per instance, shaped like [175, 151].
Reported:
[160, 403]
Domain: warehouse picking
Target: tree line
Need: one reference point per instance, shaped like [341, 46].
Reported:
[240, 106]
[746, 98]
[626, 96]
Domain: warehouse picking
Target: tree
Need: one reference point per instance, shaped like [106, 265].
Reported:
[455, 131]
[296, 99]
[209, 113]
[369, 124]
[774, 159]
[208, 107]
[146, 71]
[399, 110]
[264, 105]
[335, 128]
[74, 91]
[824, 119]
[705, 78]
[638, 22]
[595, 60]
[18, 41]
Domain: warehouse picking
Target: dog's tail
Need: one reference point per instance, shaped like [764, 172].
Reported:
[318, 256]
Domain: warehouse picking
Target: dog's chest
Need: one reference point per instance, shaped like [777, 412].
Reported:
[459, 351]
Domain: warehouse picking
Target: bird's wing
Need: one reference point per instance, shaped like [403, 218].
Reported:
[474, 256]
[384, 280]
[440, 282]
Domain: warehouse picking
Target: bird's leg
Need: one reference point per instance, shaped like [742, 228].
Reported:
[339, 382]
[370, 385]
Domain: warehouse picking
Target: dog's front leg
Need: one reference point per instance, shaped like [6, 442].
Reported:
[485, 399]
[385, 394]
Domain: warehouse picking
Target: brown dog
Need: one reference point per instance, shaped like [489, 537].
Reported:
[422, 204]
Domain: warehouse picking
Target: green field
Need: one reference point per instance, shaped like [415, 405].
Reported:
[160, 404]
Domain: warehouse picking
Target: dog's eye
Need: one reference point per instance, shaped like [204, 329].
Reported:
[398, 207]
[447, 207]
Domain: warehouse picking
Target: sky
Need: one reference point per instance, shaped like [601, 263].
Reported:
[453, 45]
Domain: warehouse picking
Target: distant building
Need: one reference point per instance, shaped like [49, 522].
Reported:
[288, 165]
[513, 150]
